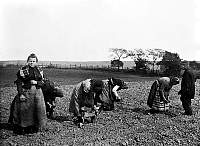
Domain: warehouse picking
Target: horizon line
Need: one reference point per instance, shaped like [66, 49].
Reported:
[82, 61]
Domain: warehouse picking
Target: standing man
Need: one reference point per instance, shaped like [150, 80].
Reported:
[187, 91]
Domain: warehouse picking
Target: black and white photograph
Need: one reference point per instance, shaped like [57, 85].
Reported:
[99, 72]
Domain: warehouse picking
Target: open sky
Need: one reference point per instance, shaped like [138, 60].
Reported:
[84, 30]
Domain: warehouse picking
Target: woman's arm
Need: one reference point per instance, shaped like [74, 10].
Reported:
[114, 90]
[40, 79]
[162, 95]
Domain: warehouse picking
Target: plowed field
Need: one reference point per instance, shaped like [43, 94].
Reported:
[129, 124]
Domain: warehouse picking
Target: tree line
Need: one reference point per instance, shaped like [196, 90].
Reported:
[169, 62]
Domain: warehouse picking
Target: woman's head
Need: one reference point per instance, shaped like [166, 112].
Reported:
[97, 86]
[32, 60]
[118, 82]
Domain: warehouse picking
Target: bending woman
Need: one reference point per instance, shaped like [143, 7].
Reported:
[83, 95]
[159, 93]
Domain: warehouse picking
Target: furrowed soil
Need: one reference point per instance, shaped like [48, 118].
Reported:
[129, 124]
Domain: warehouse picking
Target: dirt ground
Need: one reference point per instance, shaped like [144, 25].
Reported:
[129, 124]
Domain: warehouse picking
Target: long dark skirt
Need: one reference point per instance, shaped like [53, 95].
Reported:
[31, 111]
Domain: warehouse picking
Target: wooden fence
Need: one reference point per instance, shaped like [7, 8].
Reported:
[80, 66]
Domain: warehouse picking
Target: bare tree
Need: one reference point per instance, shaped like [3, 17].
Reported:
[117, 55]
[154, 55]
[136, 54]
[140, 58]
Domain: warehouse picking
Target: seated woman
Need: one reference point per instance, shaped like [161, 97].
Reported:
[158, 96]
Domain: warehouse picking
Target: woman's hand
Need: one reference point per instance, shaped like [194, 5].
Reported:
[22, 97]
[166, 101]
[33, 82]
